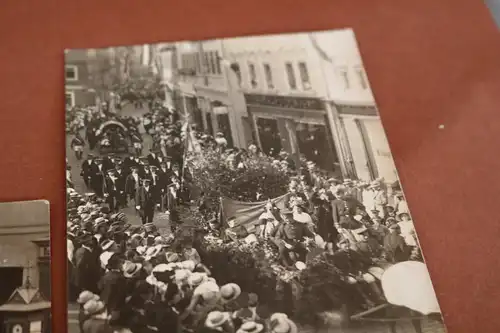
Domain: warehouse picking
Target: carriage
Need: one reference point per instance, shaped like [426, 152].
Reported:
[113, 137]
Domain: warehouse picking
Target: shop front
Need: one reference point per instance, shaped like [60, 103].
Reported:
[368, 145]
[298, 125]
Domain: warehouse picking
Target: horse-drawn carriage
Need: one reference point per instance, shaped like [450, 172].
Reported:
[113, 136]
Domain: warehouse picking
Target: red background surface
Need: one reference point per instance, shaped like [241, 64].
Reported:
[429, 62]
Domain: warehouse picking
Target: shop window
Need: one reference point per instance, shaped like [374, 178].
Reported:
[269, 76]
[210, 127]
[290, 73]
[235, 67]
[269, 135]
[213, 66]
[70, 98]
[225, 128]
[345, 77]
[362, 78]
[253, 75]
[205, 63]
[71, 73]
[315, 143]
[304, 76]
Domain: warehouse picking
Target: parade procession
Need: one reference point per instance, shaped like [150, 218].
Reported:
[174, 228]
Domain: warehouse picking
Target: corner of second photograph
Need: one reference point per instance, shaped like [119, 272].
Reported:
[236, 185]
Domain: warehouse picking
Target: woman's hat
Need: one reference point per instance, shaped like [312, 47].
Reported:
[280, 323]
[104, 258]
[86, 296]
[190, 265]
[93, 307]
[216, 319]
[230, 292]
[250, 327]
[197, 278]
[130, 269]
[181, 275]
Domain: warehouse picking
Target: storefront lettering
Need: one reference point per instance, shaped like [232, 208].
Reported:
[364, 110]
[284, 102]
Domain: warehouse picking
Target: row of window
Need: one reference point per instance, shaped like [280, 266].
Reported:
[347, 75]
[290, 74]
[210, 61]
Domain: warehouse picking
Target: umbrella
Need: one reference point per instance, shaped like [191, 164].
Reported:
[408, 284]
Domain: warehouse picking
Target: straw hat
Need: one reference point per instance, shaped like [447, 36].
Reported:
[229, 292]
[130, 269]
[106, 244]
[188, 264]
[172, 256]
[86, 296]
[250, 327]
[216, 319]
[195, 279]
[281, 324]
[104, 258]
[93, 307]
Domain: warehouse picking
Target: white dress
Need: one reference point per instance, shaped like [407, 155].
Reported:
[407, 231]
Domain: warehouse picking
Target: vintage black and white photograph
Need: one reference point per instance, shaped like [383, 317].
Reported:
[25, 305]
[238, 185]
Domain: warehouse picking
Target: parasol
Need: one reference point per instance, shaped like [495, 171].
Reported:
[408, 284]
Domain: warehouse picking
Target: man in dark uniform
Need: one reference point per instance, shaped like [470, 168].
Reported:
[132, 183]
[111, 191]
[113, 286]
[153, 158]
[344, 208]
[97, 177]
[144, 202]
[155, 185]
[164, 181]
[88, 166]
[289, 236]
[121, 178]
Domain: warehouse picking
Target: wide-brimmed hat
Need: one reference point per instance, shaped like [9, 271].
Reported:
[250, 327]
[182, 275]
[280, 323]
[141, 250]
[190, 265]
[130, 269]
[152, 252]
[104, 258]
[86, 296]
[197, 278]
[216, 319]
[93, 307]
[230, 292]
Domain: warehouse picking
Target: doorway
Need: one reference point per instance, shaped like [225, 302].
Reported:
[10, 279]
[269, 136]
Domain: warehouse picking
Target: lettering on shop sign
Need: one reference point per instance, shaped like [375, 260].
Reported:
[284, 102]
[363, 110]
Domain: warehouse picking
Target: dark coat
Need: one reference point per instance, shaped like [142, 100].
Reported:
[113, 286]
[94, 325]
[395, 248]
[87, 269]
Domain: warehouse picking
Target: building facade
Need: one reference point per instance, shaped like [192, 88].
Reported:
[206, 93]
[364, 149]
[284, 97]
[76, 76]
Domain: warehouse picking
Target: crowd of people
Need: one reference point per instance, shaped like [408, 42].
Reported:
[132, 278]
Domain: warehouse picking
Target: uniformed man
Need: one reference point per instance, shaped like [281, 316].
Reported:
[88, 166]
[77, 145]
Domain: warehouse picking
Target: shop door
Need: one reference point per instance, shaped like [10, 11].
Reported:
[10, 279]
[225, 128]
[269, 136]
[315, 144]
[198, 119]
